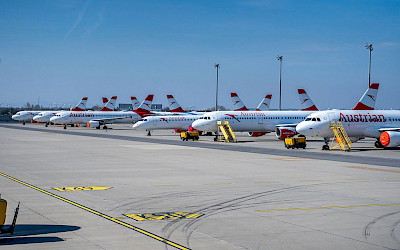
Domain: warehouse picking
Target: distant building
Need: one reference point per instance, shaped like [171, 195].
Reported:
[125, 106]
[156, 107]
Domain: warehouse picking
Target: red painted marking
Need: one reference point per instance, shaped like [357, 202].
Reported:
[301, 91]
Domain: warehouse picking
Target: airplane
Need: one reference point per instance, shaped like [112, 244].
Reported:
[25, 116]
[177, 122]
[180, 122]
[360, 122]
[258, 123]
[45, 116]
[101, 118]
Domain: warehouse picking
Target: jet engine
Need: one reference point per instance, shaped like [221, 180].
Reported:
[256, 134]
[390, 138]
[93, 124]
[284, 132]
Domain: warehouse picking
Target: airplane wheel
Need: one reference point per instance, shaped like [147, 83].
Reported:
[104, 127]
[378, 144]
[98, 127]
[65, 126]
[23, 123]
[325, 147]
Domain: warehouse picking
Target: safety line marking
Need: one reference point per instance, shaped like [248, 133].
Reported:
[359, 179]
[309, 208]
[139, 230]
[309, 180]
[375, 169]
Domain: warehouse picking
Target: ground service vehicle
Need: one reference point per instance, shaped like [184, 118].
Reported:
[295, 142]
[3, 210]
[194, 135]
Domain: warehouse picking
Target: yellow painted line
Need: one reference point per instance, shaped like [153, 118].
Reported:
[139, 230]
[375, 169]
[210, 184]
[266, 182]
[87, 188]
[165, 185]
[394, 178]
[360, 179]
[310, 208]
[309, 180]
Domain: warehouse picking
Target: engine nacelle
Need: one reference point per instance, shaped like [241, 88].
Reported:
[284, 132]
[390, 139]
[256, 134]
[93, 124]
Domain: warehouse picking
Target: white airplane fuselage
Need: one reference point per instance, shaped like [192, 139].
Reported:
[182, 122]
[357, 123]
[45, 116]
[25, 116]
[250, 121]
[83, 117]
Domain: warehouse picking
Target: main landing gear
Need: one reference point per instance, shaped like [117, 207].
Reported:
[378, 144]
[65, 126]
[23, 123]
[46, 125]
[326, 145]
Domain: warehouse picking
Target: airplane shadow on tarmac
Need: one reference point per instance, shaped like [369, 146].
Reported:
[23, 233]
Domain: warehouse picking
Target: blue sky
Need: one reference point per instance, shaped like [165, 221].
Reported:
[64, 50]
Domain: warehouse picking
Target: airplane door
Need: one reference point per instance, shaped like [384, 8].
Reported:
[260, 120]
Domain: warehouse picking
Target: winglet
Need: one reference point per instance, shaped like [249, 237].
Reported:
[135, 102]
[174, 105]
[368, 100]
[305, 101]
[144, 108]
[110, 105]
[81, 106]
[265, 103]
[238, 105]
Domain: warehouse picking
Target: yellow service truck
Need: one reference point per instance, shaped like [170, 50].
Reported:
[295, 142]
[3, 211]
[194, 135]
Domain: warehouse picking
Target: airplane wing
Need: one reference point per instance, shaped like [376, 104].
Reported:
[292, 125]
[110, 119]
[388, 129]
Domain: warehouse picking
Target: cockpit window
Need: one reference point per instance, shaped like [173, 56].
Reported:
[318, 119]
[308, 119]
[313, 119]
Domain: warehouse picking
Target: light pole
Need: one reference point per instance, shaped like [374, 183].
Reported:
[369, 47]
[216, 95]
[280, 58]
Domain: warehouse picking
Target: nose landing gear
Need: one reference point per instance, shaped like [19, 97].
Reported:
[326, 145]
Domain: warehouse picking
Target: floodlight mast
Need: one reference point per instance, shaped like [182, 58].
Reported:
[216, 94]
[370, 48]
[280, 58]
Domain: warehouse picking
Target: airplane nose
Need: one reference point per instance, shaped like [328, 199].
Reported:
[303, 129]
[136, 125]
[36, 118]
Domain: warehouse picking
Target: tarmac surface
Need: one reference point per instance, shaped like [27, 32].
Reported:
[83, 188]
